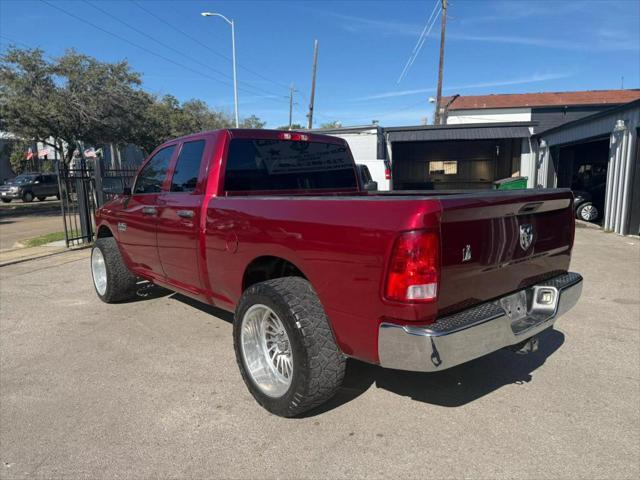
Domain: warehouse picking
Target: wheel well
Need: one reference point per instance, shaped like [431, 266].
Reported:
[104, 232]
[268, 268]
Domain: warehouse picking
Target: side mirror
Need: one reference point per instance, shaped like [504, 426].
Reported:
[371, 186]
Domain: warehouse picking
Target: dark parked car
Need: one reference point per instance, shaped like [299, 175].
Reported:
[589, 204]
[589, 188]
[29, 186]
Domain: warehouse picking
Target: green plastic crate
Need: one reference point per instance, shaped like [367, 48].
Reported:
[511, 183]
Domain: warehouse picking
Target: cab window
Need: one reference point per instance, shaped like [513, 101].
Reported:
[154, 172]
[185, 175]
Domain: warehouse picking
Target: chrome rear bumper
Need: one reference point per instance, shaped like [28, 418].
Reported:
[480, 330]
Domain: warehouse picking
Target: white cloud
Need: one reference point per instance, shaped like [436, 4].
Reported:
[599, 40]
[534, 78]
[387, 26]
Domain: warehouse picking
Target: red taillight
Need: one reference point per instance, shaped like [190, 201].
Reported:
[299, 137]
[387, 174]
[413, 268]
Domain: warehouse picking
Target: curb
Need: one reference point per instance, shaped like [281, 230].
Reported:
[38, 257]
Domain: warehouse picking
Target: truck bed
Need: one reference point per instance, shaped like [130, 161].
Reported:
[342, 244]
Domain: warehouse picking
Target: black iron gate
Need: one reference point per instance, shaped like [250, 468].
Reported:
[84, 188]
[77, 202]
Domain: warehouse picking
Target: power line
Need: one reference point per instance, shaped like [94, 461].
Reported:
[141, 47]
[421, 39]
[159, 42]
[192, 38]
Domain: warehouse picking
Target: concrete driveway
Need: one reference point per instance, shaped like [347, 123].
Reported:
[150, 389]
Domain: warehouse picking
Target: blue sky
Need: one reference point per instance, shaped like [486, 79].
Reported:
[492, 47]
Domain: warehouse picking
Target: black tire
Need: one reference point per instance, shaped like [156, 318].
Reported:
[6, 200]
[27, 197]
[318, 363]
[587, 212]
[121, 284]
[42, 199]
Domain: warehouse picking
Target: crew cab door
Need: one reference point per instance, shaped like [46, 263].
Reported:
[138, 219]
[178, 221]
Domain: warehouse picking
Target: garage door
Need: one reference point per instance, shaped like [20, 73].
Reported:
[435, 165]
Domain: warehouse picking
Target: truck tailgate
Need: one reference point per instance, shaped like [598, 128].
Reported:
[497, 243]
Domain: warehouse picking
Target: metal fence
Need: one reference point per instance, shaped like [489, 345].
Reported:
[83, 189]
[77, 202]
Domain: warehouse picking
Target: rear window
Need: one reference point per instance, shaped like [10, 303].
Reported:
[288, 165]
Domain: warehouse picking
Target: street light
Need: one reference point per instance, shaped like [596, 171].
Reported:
[233, 49]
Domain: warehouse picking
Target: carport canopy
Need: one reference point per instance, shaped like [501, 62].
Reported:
[475, 131]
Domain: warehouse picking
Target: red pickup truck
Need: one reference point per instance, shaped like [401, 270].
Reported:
[276, 227]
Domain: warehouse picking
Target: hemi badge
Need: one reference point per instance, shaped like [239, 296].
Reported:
[122, 227]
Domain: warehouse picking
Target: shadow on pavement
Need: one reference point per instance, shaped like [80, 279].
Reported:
[147, 291]
[454, 387]
[38, 209]
[203, 307]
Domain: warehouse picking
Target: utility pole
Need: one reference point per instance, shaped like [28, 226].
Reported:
[313, 84]
[443, 26]
[291, 90]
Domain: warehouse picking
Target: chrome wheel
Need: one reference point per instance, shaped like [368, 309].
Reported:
[99, 271]
[266, 350]
[589, 213]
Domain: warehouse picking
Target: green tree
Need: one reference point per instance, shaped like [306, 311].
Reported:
[294, 126]
[167, 118]
[17, 156]
[334, 124]
[252, 122]
[72, 99]
[77, 99]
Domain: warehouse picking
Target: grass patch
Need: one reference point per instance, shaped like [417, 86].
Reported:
[47, 238]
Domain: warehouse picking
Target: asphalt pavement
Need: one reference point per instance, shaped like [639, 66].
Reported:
[150, 389]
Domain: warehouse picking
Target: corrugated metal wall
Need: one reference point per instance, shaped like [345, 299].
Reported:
[622, 126]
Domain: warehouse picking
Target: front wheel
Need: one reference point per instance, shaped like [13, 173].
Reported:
[285, 348]
[6, 200]
[587, 212]
[111, 278]
[27, 197]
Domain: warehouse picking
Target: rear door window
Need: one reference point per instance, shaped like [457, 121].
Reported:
[154, 172]
[185, 175]
[266, 164]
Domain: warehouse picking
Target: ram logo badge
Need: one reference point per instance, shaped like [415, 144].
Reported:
[466, 253]
[122, 227]
[526, 236]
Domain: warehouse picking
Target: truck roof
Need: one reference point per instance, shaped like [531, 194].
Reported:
[264, 133]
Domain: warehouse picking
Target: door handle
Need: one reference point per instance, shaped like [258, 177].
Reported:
[149, 210]
[185, 213]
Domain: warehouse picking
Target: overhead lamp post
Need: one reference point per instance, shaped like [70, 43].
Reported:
[233, 49]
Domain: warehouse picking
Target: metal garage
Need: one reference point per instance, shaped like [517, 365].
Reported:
[601, 153]
[438, 157]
